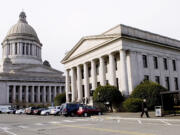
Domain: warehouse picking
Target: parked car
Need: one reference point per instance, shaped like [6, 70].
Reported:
[70, 109]
[6, 109]
[30, 110]
[46, 111]
[20, 111]
[83, 111]
[55, 111]
[38, 111]
[92, 110]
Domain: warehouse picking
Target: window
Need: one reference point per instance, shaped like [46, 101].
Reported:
[106, 69]
[167, 82]
[157, 79]
[115, 63]
[89, 71]
[9, 49]
[165, 63]
[15, 48]
[174, 65]
[107, 82]
[97, 69]
[145, 65]
[82, 73]
[27, 49]
[30, 49]
[176, 83]
[23, 49]
[117, 83]
[155, 62]
[146, 77]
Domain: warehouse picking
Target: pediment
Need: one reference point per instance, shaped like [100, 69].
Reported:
[86, 44]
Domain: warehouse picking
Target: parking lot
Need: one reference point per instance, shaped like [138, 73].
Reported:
[11, 124]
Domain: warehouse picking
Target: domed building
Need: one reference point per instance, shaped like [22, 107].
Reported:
[24, 78]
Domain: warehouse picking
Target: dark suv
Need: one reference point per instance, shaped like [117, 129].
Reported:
[70, 109]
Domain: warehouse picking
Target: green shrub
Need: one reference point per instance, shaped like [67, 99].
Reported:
[110, 94]
[132, 104]
[150, 91]
[59, 99]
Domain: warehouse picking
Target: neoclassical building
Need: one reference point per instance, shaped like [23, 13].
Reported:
[24, 78]
[122, 56]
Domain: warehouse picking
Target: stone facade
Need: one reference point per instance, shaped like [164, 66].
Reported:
[122, 56]
[24, 78]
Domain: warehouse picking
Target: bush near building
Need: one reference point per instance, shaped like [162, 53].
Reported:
[59, 99]
[109, 95]
[132, 104]
[151, 92]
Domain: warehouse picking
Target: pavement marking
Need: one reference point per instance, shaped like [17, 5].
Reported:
[81, 119]
[139, 121]
[31, 118]
[39, 124]
[106, 130]
[6, 130]
[167, 123]
[118, 121]
[68, 121]
[23, 126]
[54, 122]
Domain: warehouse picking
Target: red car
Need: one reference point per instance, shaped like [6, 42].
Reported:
[88, 110]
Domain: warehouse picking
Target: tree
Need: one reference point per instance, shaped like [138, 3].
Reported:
[109, 95]
[150, 91]
[132, 104]
[59, 99]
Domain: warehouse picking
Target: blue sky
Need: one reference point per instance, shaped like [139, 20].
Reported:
[61, 23]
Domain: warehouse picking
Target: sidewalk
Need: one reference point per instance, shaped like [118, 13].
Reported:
[137, 115]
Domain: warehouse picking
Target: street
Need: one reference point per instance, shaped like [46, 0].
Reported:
[97, 125]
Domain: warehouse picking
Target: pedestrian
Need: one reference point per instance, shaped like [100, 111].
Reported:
[144, 109]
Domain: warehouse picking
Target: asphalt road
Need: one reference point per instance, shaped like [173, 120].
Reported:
[99, 125]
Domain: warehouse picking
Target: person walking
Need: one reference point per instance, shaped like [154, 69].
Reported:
[144, 109]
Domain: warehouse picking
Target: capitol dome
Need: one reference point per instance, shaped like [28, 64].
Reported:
[21, 44]
[22, 30]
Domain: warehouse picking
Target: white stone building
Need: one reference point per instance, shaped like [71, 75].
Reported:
[24, 78]
[122, 56]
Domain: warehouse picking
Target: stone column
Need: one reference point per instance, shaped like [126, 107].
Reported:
[73, 84]
[67, 85]
[112, 71]
[20, 93]
[44, 94]
[102, 71]
[14, 94]
[32, 94]
[86, 80]
[93, 75]
[79, 83]
[49, 94]
[27, 94]
[123, 71]
[38, 94]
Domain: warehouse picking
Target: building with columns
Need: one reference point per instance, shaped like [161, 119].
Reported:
[123, 57]
[24, 78]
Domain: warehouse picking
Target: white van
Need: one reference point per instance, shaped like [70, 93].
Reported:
[5, 109]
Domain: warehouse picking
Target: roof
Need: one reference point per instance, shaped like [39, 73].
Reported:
[22, 30]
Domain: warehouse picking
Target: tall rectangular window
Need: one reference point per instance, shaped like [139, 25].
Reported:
[97, 69]
[176, 83]
[174, 65]
[30, 49]
[165, 63]
[23, 49]
[157, 79]
[115, 63]
[89, 71]
[9, 47]
[27, 49]
[155, 62]
[167, 82]
[15, 48]
[145, 65]
[146, 77]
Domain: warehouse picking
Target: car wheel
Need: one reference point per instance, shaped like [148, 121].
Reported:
[99, 113]
[85, 114]
[72, 114]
